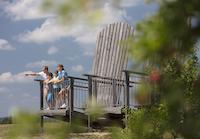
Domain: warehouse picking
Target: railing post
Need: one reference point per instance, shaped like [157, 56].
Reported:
[114, 89]
[90, 87]
[41, 102]
[95, 89]
[41, 95]
[89, 98]
[127, 102]
[71, 99]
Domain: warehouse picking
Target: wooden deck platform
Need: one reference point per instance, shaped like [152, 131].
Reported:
[112, 116]
[63, 112]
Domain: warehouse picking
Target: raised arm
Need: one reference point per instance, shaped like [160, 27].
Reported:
[54, 80]
[61, 80]
[31, 74]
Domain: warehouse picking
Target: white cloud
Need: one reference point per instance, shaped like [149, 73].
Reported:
[4, 45]
[25, 10]
[130, 3]
[52, 50]
[8, 77]
[49, 31]
[89, 38]
[81, 32]
[31, 9]
[77, 68]
[113, 14]
[39, 64]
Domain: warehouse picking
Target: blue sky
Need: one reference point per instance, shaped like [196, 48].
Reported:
[30, 39]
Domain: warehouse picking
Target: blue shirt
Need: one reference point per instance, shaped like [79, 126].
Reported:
[62, 74]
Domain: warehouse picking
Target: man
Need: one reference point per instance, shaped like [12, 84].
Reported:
[42, 73]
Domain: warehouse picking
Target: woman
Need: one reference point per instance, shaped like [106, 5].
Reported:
[63, 83]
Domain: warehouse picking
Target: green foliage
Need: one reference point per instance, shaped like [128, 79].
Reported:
[143, 93]
[27, 125]
[145, 123]
[167, 33]
[71, 11]
[168, 40]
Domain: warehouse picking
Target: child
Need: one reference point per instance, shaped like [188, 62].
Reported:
[50, 95]
[56, 86]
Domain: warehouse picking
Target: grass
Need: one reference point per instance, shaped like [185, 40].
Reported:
[4, 128]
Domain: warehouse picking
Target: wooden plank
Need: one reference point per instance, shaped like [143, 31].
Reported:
[123, 50]
[119, 59]
[112, 50]
[101, 52]
[106, 89]
[103, 58]
[103, 69]
[113, 58]
[110, 37]
[104, 61]
[124, 57]
[120, 53]
[96, 53]
[115, 65]
[96, 67]
[131, 31]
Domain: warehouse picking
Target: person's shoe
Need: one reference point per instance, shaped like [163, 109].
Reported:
[63, 106]
[47, 108]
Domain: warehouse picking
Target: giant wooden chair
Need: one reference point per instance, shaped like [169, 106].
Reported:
[110, 58]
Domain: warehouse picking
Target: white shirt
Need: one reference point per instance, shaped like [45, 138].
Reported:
[43, 75]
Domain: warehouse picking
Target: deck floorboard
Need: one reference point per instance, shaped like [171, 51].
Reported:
[63, 112]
